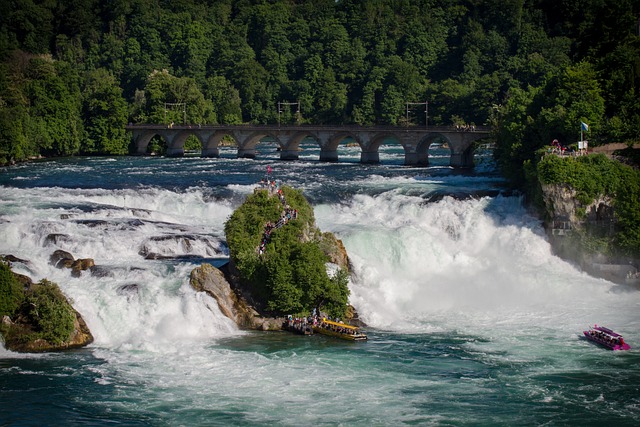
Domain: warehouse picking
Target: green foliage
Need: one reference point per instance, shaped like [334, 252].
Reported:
[11, 292]
[104, 114]
[596, 175]
[49, 312]
[67, 68]
[291, 276]
[40, 311]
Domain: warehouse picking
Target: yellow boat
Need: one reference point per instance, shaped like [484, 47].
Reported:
[339, 330]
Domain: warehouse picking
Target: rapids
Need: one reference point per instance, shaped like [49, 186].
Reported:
[472, 320]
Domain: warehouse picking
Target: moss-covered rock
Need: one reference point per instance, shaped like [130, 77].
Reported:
[283, 269]
[38, 317]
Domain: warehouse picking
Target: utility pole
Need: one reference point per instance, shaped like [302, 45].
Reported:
[426, 111]
[288, 104]
[176, 104]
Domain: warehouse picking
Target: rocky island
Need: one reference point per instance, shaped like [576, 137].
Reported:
[590, 206]
[280, 263]
[37, 317]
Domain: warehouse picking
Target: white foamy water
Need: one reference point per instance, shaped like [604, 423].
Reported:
[470, 314]
[132, 303]
[467, 265]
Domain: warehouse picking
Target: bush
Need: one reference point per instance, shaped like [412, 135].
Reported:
[49, 312]
[11, 292]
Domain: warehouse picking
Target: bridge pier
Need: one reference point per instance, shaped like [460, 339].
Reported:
[246, 153]
[416, 159]
[328, 155]
[289, 155]
[462, 160]
[175, 152]
[369, 157]
[211, 152]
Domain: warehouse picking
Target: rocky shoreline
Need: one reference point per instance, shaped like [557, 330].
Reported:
[566, 231]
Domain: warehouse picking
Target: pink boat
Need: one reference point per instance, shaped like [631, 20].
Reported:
[607, 338]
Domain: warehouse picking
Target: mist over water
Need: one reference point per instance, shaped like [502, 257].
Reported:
[472, 319]
[465, 264]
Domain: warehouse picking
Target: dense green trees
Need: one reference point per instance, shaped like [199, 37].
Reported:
[291, 275]
[67, 67]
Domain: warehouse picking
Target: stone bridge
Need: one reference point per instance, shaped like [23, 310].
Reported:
[415, 140]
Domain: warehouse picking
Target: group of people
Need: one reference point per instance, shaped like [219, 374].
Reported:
[287, 214]
[606, 337]
[301, 324]
[268, 184]
[560, 150]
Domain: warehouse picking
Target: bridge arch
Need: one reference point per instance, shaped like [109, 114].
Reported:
[247, 147]
[422, 148]
[176, 145]
[371, 151]
[143, 140]
[329, 150]
[290, 144]
[211, 146]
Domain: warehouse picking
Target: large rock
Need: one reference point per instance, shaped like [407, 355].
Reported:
[570, 222]
[209, 279]
[63, 259]
[17, 331]
[562, 204]
[80, 337]
[335, 250]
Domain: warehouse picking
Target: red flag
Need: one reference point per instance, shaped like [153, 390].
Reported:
[269, 169]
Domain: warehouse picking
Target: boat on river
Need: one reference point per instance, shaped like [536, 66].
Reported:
[606, 338]
[339, 330]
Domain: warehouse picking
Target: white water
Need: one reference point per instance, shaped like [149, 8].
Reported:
[454, 264]
[467, 266]
[477, 267]
[160, 308]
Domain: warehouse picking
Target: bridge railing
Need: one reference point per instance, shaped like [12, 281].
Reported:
[333, 128]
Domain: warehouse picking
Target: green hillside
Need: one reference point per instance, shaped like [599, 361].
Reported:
[73, 73]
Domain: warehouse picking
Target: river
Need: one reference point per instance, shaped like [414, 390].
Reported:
[471, 318]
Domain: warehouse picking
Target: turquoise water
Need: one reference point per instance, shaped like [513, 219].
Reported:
[472, 319]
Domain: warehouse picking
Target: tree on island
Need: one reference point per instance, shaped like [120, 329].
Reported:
[290, 276]
[37, 317]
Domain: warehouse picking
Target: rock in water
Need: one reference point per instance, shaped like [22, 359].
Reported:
[209, 279]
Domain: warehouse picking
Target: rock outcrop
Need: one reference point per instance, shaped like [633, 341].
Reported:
[562, 205]
[211, 280]
[20, 334]
[63, 259]
[569, 222]
[335, 250]
[278, 255]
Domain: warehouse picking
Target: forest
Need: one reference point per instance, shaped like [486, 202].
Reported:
[73, 73]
